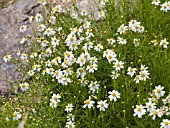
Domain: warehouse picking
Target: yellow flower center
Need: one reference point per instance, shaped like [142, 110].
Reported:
[139, 108]
[87, 102]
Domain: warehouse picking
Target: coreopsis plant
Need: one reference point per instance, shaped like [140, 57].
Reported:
[87, 69]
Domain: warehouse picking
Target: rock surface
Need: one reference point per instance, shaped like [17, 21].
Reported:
[11, 18]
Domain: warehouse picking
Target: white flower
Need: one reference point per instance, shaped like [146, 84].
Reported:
[22, 40]
[114, 95]
[56, 97]
[98, 47]
[137, 79]
[115, 75]
[94, 86]
[122, 29]
[70, 117]
[165, 7]
[38, 17]
[139, 111]
[121, 41]
[69, 108]
[43, 2]
[101, 14]
[140, 29]
[110, 55]
[131, 71]
[70, 124]
[136, 42]
[150, 106]
[23, 28]
[92, 68]
[164, 43]
[16, 115]
[133, 25]
[41, 27]
[156, 2]
[24, 86]
[102, 105]
[7, 57]
[84, 12]
[30, 18]
[88, 103]
[165, 123]
[49, 31]
[81, 72]
[52, 19]
[53, 103]
[118, 65]
[156, 112]
[111, 41]
[144, 75]
[159, 91]
[55, 42]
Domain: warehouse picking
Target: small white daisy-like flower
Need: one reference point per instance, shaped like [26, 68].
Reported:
[114, 95]
[137, 78]
[24, 86]
[131, 71]
[92, 68]
[16, 115]
[156, 2]
[88, 103]
[7, 57]
[118, 65]
[165, 123]
[98, 47]
[38, 17]
[159, 92]
[81, 72]
[55, 42]
[94, 86]
[136, 42]
[23, 28]
[111, 41]
[52, 19]
[133, 25]
[53, 104]
[84, 12]
[144, 75]
[156, 112]
[140, 29]
[139, 111]
[41, 27]
[70, 117]
[69, 108]
[56, 97]
[122, 29]
[70, 124]
[121, 41]
[43, 2]
[164, 43]
[165, 7]
[101, 14]
[49, 32]
[22, 40]
[102, 105]
[150, 106]
[115, 75]
[30, 19]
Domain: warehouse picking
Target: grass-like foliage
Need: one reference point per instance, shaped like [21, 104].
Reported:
[108, 69]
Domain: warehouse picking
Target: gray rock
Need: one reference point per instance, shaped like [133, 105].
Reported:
[11, 17]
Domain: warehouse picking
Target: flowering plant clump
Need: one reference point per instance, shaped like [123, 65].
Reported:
[87, 69]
